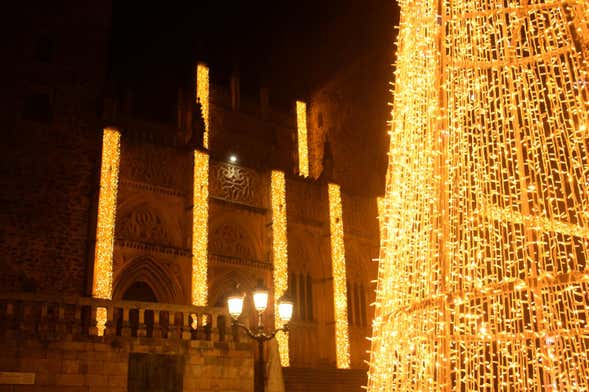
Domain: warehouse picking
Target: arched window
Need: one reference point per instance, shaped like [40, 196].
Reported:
[139, 291]
[350, 307]
[309, 298]
[300, 289]
[302, 299]
[363, 306]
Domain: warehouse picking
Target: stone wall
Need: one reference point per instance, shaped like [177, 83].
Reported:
[347, 127]
[102, 364]
[50, 143]
[47, 194]
[66, 346]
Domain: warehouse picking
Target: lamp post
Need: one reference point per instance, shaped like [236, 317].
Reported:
[259, 334]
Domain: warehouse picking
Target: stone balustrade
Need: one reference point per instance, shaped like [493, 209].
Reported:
[54, 318]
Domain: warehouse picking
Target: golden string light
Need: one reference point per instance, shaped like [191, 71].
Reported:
[483, 274]
[338, 265]
[107, 208]
[202, 95]
[380, 207]
[200, 228]
[280, 255]
[302, 138]
[105, 224]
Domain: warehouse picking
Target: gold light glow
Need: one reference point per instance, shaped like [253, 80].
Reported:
[280, 255]
[202, 95]
[200, 228]
[483, 274]
[302, 139]
[105, 223]
[107, 208]
[338, 265]
[380, 206]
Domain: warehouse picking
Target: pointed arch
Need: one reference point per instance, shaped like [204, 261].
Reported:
[164, 284]
[220, 287]
[232, 237]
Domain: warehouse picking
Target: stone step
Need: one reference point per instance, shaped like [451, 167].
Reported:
[324, 379]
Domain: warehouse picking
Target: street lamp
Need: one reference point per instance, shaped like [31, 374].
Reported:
[260, 297]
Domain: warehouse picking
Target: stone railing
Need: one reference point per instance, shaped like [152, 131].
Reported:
[54, 318]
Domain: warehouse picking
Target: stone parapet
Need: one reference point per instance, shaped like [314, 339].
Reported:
[56, 339]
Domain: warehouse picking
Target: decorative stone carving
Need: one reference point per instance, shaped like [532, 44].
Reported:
[155, 165]
[360, 214]
[236, 183]
[144, 225]
[305, 201]
[230, 240]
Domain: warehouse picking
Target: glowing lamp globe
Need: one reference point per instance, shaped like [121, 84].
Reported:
[285, 309]
[235, 305]
[260, 298]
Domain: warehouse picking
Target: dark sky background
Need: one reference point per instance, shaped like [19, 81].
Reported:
[291, 47]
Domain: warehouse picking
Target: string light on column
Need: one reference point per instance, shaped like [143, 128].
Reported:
[202, 95]
[338, 265]
[280, 255]
[483, 274]
[105, 225]
[302, 138]
[200, 228]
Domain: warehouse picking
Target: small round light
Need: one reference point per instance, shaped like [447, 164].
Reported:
[260, 298]
[285, 309]
[232, 158]
[235, 305]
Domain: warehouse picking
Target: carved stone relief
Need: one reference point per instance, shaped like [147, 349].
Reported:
[143, 225]
[156, 165]
[305, 201]
[236, 183]
[360, 214]
[230, 240]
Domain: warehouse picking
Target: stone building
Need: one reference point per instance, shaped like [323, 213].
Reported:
[58, 105]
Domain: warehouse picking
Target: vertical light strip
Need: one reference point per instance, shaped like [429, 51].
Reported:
[202, 95]
[105, 224]
[200, 231]
[280, 255]
[107, 208]
[302, 139]
[338, 265]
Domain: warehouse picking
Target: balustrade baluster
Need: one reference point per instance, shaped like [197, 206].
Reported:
[157, 329]
[96, 326]
[61, 325]
[219, 328]
[77, 321]
[110, 327]
[42, 326]
[186, 329]
[126, 326]
[28, 320]
[141, 328]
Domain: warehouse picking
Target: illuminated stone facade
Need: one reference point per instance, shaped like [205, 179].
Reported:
[53, 196]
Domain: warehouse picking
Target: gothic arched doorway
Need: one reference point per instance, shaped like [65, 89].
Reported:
[139, 291]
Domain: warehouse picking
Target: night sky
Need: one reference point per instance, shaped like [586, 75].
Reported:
[291, 47]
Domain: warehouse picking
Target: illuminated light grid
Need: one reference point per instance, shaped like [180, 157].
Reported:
[338, 266]
[302, 138]
[202, 95]
[107, 209]
[200, 228]
[483, 274]
[280, 255]
[380, 206]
